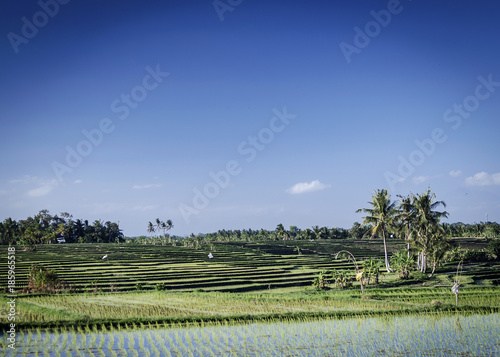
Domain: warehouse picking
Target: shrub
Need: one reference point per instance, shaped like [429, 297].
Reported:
[44, 280]
[371, 270]
[494, 248]
[419, 276]
[160, 287]
[402, 264]
[472, 255]
[321, 281]
[454, 254]
[342, 278]
[139, 286]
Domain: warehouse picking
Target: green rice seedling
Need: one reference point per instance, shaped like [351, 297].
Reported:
[83, 339]
[121, 341]
[93, 339]
[30, 337]
[131, 342]
[110, 339]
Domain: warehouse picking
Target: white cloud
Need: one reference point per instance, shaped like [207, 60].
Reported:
[77, 181]
[420, 179]
[483, 179]
[303, 187]
[25, 179]
[41, 191]
[455, 173]
[151, 185]
[42, 186]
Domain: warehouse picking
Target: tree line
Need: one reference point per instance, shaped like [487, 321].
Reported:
[44, 228]
[280, 233]
[357, 231]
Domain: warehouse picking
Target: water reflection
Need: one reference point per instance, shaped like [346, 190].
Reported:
[475, 335]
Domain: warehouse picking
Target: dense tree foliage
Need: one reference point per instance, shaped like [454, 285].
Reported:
[43, 228]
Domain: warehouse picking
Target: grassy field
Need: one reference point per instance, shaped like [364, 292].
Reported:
[243, 281]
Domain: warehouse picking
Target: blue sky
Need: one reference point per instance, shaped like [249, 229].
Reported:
[245, 114]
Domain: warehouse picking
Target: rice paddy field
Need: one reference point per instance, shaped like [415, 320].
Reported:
[414, 335]
[234, 267]
[249, 299]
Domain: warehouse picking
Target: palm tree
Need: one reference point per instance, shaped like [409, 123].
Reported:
[426, 223]
[307, 233]
[170, 225]
[158, 226]
[382, 216]
[280, 231]
[406, 218]
[317, 232]
[151, 229]
[325, 233]
[440, 246]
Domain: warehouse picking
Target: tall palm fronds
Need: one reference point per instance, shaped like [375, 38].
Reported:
[169, 227]
[426, 224]
[406, 216]
[151, 229]
[381, 216]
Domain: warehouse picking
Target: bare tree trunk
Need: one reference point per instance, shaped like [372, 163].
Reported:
[387, 266]
[434, 265]
[423, 268]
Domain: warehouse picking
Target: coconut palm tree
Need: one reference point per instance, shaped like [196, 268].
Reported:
[151, 229]
[158, 226]
[280, 231]
[317, 232]
[426, 224]
[307, 233]
[406, 218]
[439, 248]
[170, 225]
[325, 233]
[381, 215]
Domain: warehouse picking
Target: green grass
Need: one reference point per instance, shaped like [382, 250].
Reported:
[175, 307]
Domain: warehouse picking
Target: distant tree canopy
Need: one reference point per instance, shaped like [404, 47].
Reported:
[281, 233]
[43, 228]
[476, 230]
[357, 231]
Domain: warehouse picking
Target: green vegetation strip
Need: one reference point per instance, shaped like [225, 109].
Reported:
[246, 318]
[185, 308]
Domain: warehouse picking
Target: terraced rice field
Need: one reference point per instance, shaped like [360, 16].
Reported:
[233, 268]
